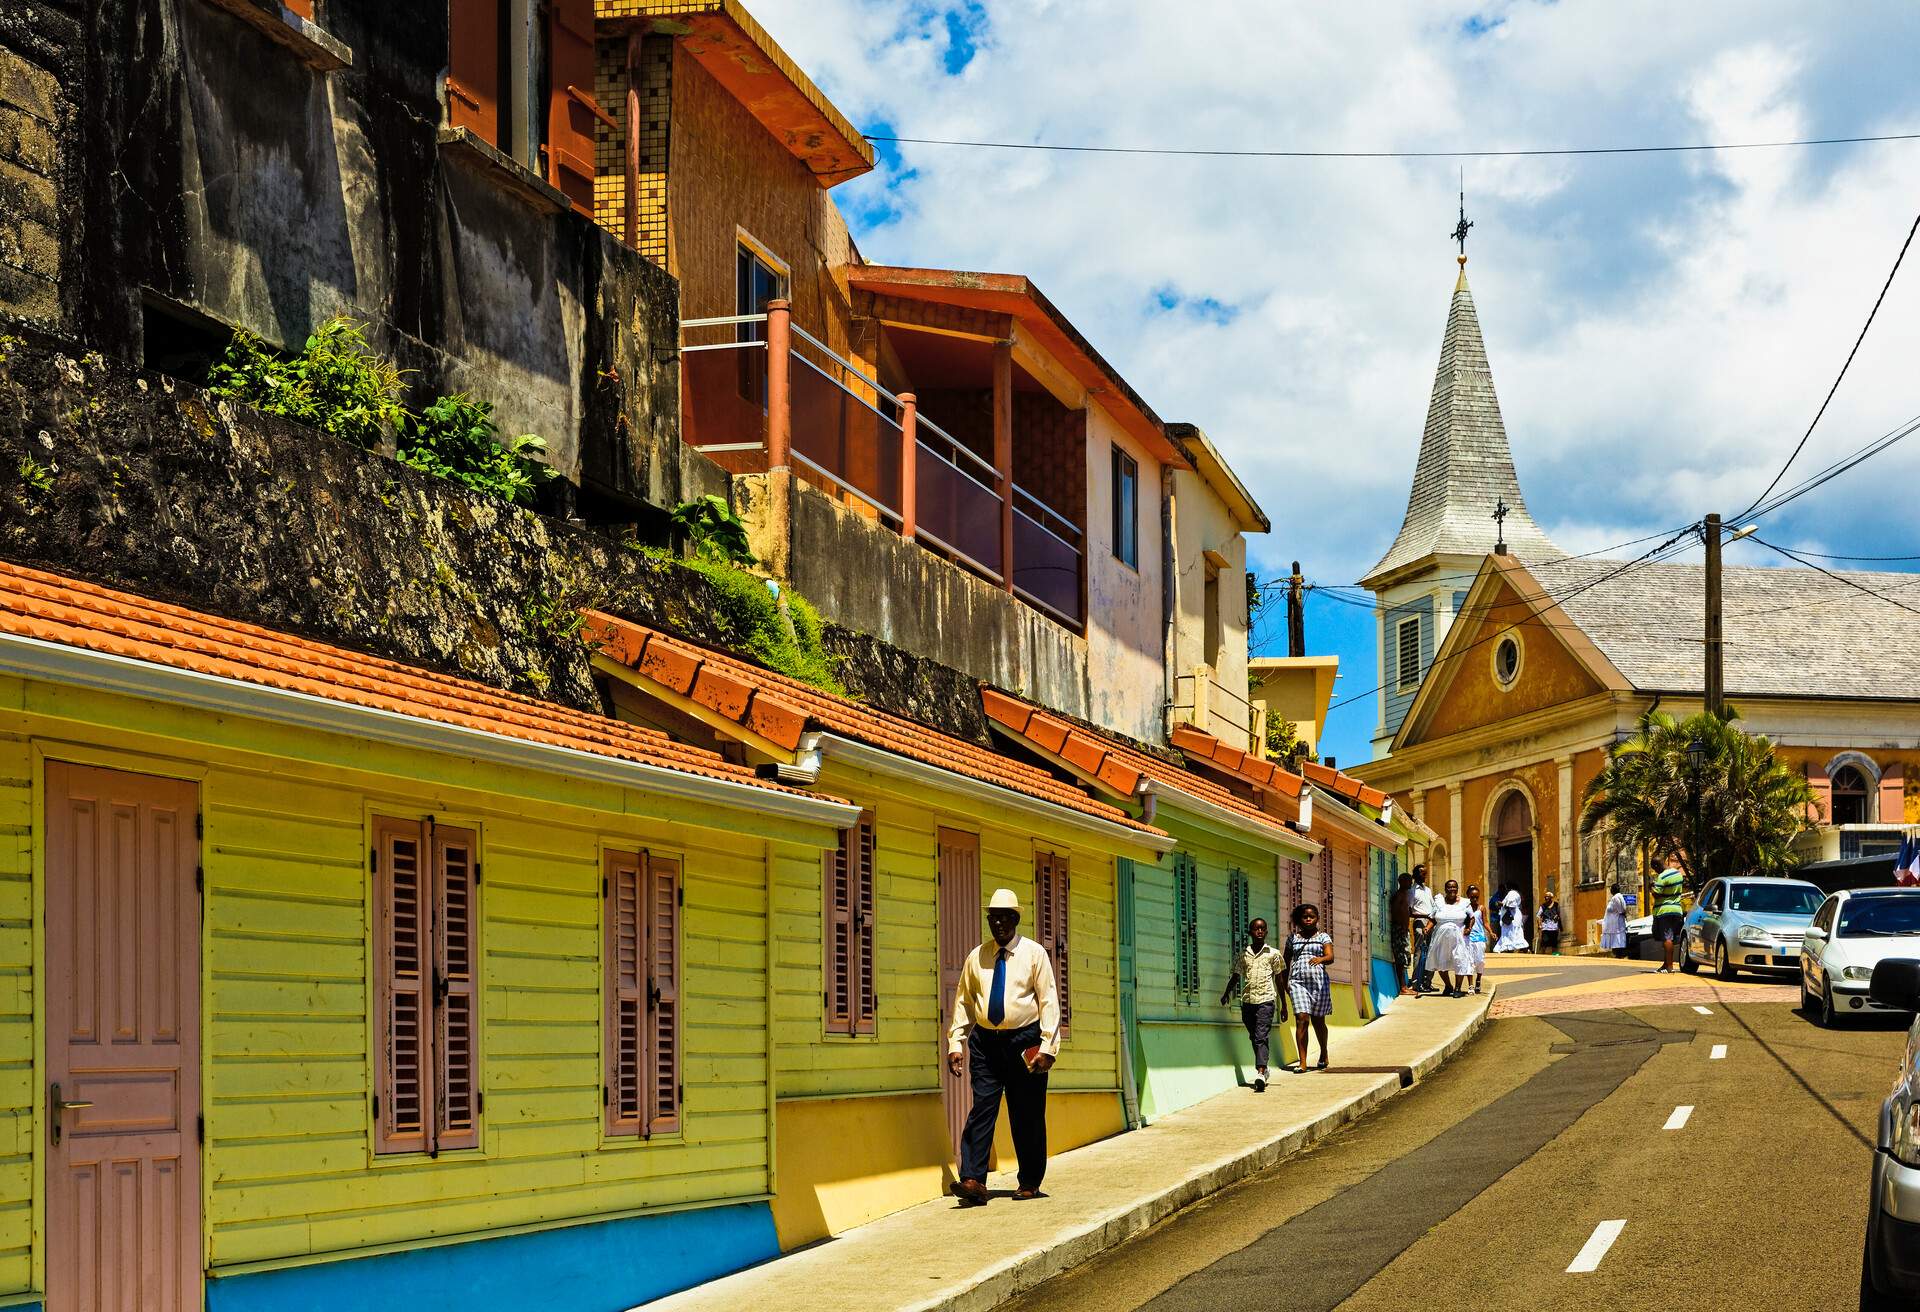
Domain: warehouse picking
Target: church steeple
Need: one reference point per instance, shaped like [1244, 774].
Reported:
[1465, 467]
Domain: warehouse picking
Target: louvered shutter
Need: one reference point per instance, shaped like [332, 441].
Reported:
[473, 67]
[1062, 908]
[837, 933]
[402, 973]
[625, 993]
[865, 994]
[570, 116]
[456, 963]
[663, 971]
[1326, 882]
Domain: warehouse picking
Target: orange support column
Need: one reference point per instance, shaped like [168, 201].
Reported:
[779, 399]
[1003, 453]
[909, 459]
[632, 215]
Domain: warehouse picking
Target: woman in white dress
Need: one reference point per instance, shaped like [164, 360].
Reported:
[1613, 926]
[1512, 918]
[1449, 955]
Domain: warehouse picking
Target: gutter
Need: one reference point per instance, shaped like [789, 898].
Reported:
[1296, 846]
[58, 662]
[882, 762]
[1353, 823]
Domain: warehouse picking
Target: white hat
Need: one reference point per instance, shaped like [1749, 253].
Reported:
[1003, 900]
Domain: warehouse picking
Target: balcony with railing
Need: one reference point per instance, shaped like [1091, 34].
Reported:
[759, 392]
[1203, 701]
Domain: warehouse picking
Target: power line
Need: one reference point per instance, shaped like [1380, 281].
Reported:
[1845, 365]
[1842, 578]
[1827, 555]
[1276, 583]
[1833, 470]
[1210, 153]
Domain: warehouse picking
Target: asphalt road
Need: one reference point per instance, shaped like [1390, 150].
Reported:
[1479, 1187]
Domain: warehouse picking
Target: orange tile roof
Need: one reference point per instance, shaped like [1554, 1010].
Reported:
[1261, 774]
[1111, 761]
[780, 709]
[1344, 784]
[54, 608]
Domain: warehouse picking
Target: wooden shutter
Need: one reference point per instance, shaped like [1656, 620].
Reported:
[1052, 899]
[865, 994]
[473, 67]
[1296, 885]
[663, 971]
[403, 1001]
[457, 968]
[1186, 881]
[837, 932]
[570, 102]
[626, 1000]
[1239, 907]
[1326, 882]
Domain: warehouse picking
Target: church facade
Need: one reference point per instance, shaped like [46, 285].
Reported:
[1509, 670]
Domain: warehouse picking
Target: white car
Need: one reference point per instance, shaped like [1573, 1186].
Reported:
[1853, 931]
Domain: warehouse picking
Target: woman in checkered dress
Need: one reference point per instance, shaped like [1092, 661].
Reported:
[1309, 952]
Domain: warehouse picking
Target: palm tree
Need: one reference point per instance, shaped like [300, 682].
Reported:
[1704, 789]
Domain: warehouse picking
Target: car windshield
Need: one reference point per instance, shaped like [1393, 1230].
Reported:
[1880, 917]
[1775, 899]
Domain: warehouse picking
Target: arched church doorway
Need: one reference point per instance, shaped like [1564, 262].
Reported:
[1512, 856]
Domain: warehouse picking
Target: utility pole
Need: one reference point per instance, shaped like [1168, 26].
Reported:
[1716, 678]
[1296, 613]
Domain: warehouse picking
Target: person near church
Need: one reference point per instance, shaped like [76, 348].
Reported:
[1613, 924]
[1400, 927]
[1549, 920]
[1476, 937]
[1006, 1034]
[1513, 923]
[1258, 965]
[1309, 987]
[1420, 906]
[1448, 954]
[1669, 910]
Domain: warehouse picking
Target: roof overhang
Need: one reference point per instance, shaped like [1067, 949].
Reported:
[726, 41]
[104, 672]
[1336, 815]
[1214, 471]
[1321, 670]
[1013, 295]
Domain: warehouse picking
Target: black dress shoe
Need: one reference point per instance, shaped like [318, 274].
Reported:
[1259, 1086]
[971, 1193]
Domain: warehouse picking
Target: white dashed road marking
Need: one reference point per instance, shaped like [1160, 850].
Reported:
[1679, 1117]
[1596, 1247]
[1719, 1051]
[1704, 1011]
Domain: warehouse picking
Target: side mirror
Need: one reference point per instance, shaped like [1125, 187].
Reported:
[1896, 984]
[1817, 933]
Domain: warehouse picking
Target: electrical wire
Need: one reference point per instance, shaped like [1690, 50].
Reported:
[1216, 153]
[1832, 471]
[1841, 578]
[1277, 583]
[1845, 365]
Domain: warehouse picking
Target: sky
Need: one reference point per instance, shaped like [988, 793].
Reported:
[1661, 327]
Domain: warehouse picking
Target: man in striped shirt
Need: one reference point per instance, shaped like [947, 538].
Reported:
[1006, 1016]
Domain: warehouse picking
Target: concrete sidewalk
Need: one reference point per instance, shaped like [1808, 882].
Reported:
[942, 1256]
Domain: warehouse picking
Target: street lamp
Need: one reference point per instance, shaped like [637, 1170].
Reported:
[1696, 755]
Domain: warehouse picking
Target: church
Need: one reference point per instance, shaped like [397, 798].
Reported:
[1509, 669]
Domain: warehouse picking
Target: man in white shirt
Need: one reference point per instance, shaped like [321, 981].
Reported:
[1420, 905]
[1006, 1007]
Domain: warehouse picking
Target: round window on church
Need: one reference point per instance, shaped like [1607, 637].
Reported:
[1506, 660]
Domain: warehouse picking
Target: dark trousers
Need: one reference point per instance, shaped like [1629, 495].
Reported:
[1258, 1018]
[997, 1067]
[1422, 938]
[1402, 955]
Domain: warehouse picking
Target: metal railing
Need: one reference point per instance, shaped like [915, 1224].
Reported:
[1048, 553]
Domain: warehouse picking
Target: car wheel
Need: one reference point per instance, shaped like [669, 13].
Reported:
[1828, 1018]
[1723, 968]
[1687, 963]
[1872, 1298]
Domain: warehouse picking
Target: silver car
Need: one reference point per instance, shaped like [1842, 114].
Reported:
[1748, 923]
[1890, 1265]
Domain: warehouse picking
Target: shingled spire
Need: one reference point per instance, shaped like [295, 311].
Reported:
[1466, 467]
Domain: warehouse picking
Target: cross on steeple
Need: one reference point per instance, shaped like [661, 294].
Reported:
[1460, 229]
[1500, 512]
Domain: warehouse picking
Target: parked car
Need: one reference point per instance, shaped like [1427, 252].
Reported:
[1890, 1261]
[1752, 923]
[1639, 933]
[1854, 930]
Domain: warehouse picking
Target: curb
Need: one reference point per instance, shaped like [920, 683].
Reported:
[1023, 1271]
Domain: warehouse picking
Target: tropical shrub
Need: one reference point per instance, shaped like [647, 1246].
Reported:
[456, 438]
[334, 384]
[713, 530]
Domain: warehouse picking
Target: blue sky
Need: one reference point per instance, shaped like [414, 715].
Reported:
[1661, 327]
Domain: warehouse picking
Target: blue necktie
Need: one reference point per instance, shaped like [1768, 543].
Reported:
[997, 999]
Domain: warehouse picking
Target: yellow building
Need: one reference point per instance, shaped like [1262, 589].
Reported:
[350, 976]
[868, 943]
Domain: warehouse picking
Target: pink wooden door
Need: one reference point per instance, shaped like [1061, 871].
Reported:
[123, 1043]
[961, 930]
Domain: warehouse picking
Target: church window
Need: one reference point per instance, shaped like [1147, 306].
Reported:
[1849, 796]
[1506, 661]
[1407, 647]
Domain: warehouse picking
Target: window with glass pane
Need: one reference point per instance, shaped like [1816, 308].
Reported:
[1126, 508]
[755, 283]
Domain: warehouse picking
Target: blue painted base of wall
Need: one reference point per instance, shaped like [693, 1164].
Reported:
[597, 1266]
[1384, 987]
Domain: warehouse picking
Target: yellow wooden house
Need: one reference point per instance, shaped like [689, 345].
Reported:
[868, 941]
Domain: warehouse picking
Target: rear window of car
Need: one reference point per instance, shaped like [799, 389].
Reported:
[1776, 899]
[1880, 917]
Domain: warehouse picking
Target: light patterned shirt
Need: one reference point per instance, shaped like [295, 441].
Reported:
[1257, 970]
[1031, 995]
